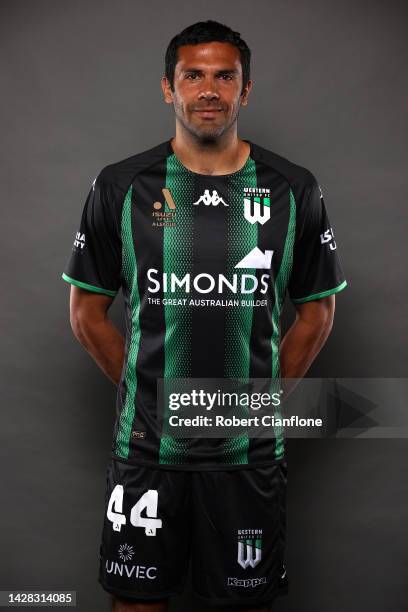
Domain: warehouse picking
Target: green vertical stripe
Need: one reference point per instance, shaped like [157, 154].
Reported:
[129, 271]
[242, 238]
[177, 258]
[281, 283]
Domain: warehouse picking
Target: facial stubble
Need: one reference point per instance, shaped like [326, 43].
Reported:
[206, 134]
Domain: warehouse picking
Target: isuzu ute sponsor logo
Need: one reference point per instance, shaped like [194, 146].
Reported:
[257, 204]
[164, 214]
[214, 199]
[168, 198]
[328, 238]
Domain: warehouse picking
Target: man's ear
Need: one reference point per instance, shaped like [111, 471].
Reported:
[245, 93]
[168, 94]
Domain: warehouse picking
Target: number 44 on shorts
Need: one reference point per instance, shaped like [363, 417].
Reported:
[149, 500]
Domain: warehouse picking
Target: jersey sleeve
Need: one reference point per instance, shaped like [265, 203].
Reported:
[95, 261]
[317, 271]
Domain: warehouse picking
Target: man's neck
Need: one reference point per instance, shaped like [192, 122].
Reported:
[225, 156]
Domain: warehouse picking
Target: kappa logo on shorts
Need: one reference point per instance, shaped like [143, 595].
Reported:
[246, 582]
[249, 547]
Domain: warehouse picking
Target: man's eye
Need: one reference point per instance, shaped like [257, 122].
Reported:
[227, 77]
[191, 76]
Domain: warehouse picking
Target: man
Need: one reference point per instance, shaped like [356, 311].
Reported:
[205, 234]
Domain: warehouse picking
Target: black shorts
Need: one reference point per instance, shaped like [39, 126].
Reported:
[230, 522]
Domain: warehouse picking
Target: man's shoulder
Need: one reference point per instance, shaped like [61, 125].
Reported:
[295, 174]
[122, 172]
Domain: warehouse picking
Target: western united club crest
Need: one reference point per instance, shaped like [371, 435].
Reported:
[249, 547]
[257, 204]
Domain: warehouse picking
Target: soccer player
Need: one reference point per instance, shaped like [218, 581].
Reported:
[204, 234]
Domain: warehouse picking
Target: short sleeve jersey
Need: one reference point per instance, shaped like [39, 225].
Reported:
[204, 263]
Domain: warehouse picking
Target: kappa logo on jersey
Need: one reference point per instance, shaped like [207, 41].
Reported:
[79, 242]
[214, 199]
[256, 259]
[328, 238]
[321, 192]
[257, 204]
[249, 548]
[126, 552]
[166, 217]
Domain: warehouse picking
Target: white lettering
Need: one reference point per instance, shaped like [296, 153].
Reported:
[150, 273]
[205, 283]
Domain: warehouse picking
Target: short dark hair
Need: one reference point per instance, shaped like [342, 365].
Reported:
[203, 32]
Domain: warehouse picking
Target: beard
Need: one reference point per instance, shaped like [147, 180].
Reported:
[206, 132]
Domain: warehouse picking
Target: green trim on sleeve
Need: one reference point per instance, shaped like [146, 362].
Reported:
[317, 296]
[78, 283]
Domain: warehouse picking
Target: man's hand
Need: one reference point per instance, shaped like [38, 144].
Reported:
[96, 332]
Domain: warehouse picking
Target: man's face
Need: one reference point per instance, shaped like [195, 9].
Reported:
[207, 88]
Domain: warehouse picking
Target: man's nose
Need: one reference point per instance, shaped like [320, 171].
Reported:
[209, 90]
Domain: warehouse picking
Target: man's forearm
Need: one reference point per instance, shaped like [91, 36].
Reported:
[300, 346]
[105, 344]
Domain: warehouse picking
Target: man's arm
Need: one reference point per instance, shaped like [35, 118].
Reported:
[306, 337]
[96, 332]
[103, 341]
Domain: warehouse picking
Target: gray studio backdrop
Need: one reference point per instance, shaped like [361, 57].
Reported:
[81, 89]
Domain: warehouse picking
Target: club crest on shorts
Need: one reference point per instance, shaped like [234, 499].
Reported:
[257, 204]
[249, 547]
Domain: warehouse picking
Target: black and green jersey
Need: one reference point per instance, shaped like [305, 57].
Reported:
[204, 263]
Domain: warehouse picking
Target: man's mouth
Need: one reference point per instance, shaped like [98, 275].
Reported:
[207, 112]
